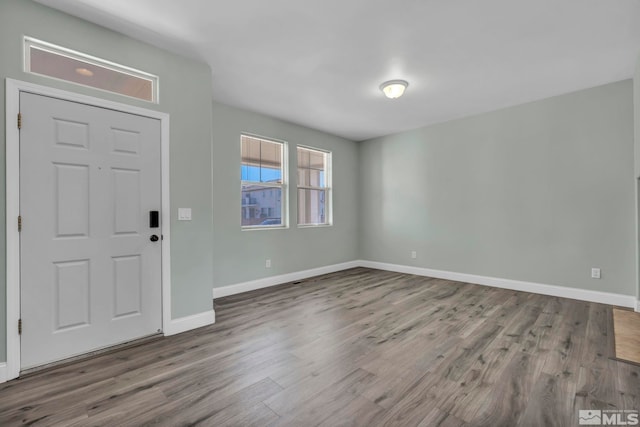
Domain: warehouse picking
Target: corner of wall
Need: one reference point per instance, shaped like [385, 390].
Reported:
[636, 168]
[359, 209]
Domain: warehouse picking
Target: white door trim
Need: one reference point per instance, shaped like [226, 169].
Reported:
[13, 89]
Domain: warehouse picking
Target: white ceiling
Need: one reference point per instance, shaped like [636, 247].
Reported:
[319, 63]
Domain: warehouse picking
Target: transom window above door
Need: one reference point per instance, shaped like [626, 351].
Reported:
[60, 63]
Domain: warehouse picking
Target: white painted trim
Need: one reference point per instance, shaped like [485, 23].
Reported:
[165, 221]
[3, 372]
[59, 51]
[12, 181]
[13, 89]
[516, 285]
[266, 282]
[188, 323]
[638, 306]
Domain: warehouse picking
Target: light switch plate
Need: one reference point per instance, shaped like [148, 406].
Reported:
[184, 214]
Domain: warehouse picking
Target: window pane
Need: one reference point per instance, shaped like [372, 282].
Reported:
[64, 67]
[271, 155]
[261, 206]
[261, 160]
[311, 166]
[303, 177]
[250, 173]
[250, 151]
[316, 160]
[311, 207]
[270, 175]
[303, 158]
[312, 172]
[316, 178]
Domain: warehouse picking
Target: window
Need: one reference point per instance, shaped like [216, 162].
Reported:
[314, 187]
[263, 174]
[61, 63]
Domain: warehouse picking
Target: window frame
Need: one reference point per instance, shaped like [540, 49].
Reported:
[328, 188]
[33, 43]
[283, 186]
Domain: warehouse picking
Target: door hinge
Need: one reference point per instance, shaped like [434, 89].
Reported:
[19, 120]
[19, 326]
[19, 222]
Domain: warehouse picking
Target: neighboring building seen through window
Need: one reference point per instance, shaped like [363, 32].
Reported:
[314, 187]
[263, 175]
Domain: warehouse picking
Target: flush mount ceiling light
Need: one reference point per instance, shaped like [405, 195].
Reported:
[394, 88]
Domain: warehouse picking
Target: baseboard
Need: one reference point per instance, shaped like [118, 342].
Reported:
[266, 282]
[188, 323]
[516, 285]
[3, 372]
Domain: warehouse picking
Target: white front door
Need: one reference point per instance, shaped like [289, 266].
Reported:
[90, 272]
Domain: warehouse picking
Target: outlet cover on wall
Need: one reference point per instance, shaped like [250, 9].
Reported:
[414, 254]
[595, 273]
[267, 263]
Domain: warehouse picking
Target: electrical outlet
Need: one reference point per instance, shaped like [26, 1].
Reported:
[414, 254]
[595, 273]
[267, 263]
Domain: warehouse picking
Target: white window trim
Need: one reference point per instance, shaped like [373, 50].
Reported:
[284, 200]
[328, 188]
[30, 42]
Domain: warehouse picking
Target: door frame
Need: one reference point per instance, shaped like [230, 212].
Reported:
[13, 90]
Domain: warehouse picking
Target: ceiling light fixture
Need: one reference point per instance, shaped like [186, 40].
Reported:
[84, 72]
[394, 88]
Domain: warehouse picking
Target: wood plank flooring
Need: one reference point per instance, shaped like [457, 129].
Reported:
[626, 325]
[360, 347]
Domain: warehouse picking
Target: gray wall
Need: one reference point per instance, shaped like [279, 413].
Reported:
[539, 192]
[240, 255]
[185, 93]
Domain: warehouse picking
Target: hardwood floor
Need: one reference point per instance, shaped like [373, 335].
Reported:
[359, 347]
[626, 326]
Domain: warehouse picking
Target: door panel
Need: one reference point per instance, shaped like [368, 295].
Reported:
[90, 276]
[71, 305]
[127, 285]
[71, 198]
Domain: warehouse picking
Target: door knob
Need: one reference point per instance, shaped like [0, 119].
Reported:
[154, 238]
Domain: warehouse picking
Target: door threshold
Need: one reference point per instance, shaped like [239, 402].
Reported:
[90, 355]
